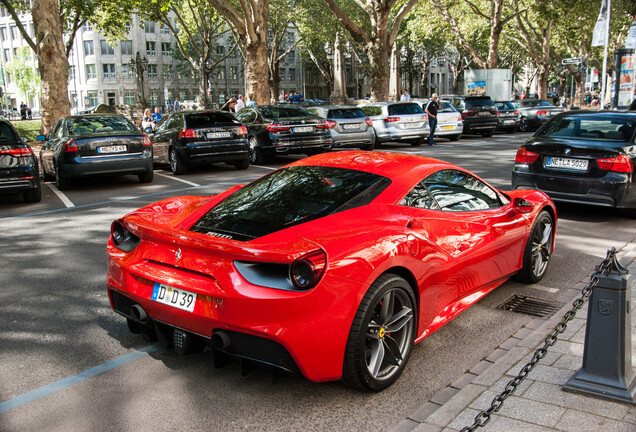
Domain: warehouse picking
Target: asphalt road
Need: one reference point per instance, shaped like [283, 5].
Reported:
[68, 362]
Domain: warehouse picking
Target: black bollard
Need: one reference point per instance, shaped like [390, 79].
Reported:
[607, 357]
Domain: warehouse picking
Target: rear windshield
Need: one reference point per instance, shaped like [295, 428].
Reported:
[349, 113]
[206, 119]
[406, 108]
[478, 101]
[506, 106]
[6, 133]
[446, 107]
[534, 102]
[275, 112]
[590, 128]
[289, 197]
[92, 124]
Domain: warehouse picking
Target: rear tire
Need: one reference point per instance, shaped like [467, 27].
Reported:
[454, 137]
[381, 336]
[60, 182]
[34, 195]
[146, 177]
[176, 165]
[418, 142]
[488, 133]
[256, 156]
[242, 165]
[523, 125]
[538, 251]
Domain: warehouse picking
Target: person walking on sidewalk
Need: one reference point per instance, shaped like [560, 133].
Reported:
[431, 109]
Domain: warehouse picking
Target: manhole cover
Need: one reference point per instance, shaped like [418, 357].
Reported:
[530, 306]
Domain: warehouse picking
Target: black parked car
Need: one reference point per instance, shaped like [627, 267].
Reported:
[479, 113]
[19, 172]
[581, 157]
[284, 129]
[95, 144]
[187, 138]
[508, 117]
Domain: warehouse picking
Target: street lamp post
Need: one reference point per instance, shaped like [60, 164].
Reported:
[139, 65]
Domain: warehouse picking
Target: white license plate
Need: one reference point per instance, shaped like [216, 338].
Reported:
[574, 164]
[447, 127]
[507, 122]
[351, 126]
[111, 149]
[303, 129]
[214, 135]
[483, 113]
[175, 297]
[412, 125]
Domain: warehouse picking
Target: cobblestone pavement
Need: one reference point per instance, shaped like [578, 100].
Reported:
[539, 403]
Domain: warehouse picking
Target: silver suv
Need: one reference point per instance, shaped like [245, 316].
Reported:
[398, 121]
[349, 126]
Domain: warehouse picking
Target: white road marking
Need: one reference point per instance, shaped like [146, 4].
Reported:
[67, 202]
[542, 288]
[173, 177]
[264, 167]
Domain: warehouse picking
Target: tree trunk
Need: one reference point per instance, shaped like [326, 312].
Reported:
[274, 82]
[542, 81]
[379, 62]
[256, 72]
[204, 99]
[53, 62]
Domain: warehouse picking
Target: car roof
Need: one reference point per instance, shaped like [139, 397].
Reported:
[600, 114]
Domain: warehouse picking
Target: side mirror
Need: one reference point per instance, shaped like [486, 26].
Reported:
[523, 206]
[148, 130]
[40, 138]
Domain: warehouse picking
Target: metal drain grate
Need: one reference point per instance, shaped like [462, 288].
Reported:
[530, 306]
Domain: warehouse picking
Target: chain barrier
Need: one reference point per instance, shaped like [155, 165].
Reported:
[484, 416]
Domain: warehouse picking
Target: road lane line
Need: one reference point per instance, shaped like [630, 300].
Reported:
[67, 202]
[177, 179]
[46, 390]
[264, 167]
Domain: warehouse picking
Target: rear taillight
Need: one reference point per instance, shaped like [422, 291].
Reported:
[242, 130]
[327, 124]
[18, 152]
[621, 163]
[526, 157]
[369, 122]
[467, 113]
[147, 142]
[542, 113]
[70, 146]
[187, 133]
[459, 118]
[516, 113]
[276, 128]
[307, 270]
[391, 119]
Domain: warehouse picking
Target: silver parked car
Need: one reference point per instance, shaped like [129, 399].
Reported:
[349, 126]
[398, 121]
[449, 120]
[535, 112]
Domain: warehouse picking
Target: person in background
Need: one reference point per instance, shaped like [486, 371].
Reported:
[431, 110]
[405, 96]
[177, 105]
[230, 105]
[251, 102]
[239, 103]
[156, 116]
[146, 121]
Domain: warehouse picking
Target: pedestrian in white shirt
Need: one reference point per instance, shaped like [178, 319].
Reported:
[239, 103]
[405, 96]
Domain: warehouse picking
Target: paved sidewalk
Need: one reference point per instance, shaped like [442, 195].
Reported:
[538, 404]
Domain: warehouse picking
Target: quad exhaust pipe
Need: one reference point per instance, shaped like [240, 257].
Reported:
[221, 340]
[139, 314]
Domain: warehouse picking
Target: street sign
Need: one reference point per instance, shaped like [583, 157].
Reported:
[571, 60]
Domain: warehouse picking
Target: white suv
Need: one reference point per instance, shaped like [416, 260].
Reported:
[398, 121]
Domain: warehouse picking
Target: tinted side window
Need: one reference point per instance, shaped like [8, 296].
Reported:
[6, 133]
[411, 108]
[246, 117]
[176, 122]
[479, 102]
[457, 191]
[420, 197]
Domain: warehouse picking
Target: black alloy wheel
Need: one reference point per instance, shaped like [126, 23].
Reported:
[523, 125]
[176, 165]
[256, 156]
[538, 251]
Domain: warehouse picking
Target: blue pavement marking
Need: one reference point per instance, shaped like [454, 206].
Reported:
[127, 199]
[67, 382]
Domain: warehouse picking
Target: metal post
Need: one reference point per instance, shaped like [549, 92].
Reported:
[607, 357]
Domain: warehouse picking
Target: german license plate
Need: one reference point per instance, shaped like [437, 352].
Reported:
[447, 127]
[216, 135]
[175, 297]
[303, 129]
[484, 113]
[567, 163]
[111, 149]
[351, 126]
[412, 125]
[507, 122]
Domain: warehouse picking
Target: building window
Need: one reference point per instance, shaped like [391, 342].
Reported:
[32, 30]
[90, 71]
[292, 74]
[149, 26]
[129, 98]
[109, 70]
[167, 71]
[154, 98]
[183, 95]
[152, 71]
[281, 73]
[220, 50]
[220, 73]
[127, 71]
[74, 100]
[89, 49]
[88, 27]
[166, 48]
[233, 72]
[126, 47]
[165, 29]
[106, 49]
[92, 98]
[71, 72]
[15, 34]
[151, 49]
[7, 54]
[3, 33]
[291, 56]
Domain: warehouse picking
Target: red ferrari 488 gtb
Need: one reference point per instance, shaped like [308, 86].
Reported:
[331, 267]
